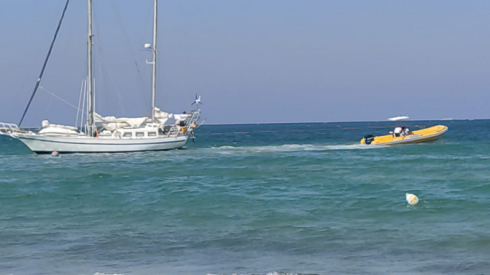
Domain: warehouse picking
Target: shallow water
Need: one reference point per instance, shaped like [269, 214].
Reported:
[253, 199]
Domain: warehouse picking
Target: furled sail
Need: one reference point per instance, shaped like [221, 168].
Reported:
[112, 123]
[164, 117]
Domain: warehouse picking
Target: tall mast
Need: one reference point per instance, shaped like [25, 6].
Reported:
[90, 84]
[154, 50]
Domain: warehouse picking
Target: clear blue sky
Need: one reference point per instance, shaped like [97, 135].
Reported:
[254, 61]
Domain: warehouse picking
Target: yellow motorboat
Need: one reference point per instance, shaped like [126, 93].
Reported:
[422, 135]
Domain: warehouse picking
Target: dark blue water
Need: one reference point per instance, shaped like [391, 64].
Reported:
[253, 199]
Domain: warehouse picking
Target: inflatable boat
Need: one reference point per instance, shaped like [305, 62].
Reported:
[422, 135]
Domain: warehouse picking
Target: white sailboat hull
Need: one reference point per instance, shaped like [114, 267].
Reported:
[81, 144]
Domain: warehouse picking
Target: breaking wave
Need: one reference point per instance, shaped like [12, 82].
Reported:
[290, 148]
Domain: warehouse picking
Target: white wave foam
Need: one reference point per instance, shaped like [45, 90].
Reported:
[289, 148]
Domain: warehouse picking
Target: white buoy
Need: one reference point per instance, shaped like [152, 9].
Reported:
[55, 154]
[412, 199]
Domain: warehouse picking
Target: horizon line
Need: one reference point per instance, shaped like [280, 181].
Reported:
[351, 121]
[324, 122]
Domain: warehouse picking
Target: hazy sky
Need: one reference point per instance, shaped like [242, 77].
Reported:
[253, 61]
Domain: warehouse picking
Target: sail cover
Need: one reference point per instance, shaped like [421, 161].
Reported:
[112, 122]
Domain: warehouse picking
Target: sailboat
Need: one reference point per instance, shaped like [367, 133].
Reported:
[110, 134]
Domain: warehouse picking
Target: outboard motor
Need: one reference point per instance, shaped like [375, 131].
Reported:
[368, 139]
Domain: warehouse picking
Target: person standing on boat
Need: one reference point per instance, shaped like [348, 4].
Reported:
[398, 131]
[406, 131]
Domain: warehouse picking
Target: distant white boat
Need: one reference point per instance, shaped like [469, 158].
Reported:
[109, 134]
[397, 118]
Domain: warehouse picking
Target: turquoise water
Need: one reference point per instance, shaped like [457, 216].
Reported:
[253, 199]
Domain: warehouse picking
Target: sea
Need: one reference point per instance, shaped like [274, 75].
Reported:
[302, 198]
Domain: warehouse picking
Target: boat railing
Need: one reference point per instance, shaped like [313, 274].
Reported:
[196, 115]
[176, 130]
[173, 131]
[193, 122]
[8, 128]
[11, 129]
[201, 122]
